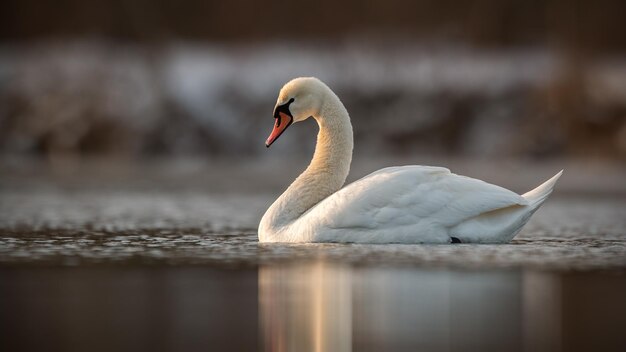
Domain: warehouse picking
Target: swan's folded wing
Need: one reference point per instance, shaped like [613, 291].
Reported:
[431, 197]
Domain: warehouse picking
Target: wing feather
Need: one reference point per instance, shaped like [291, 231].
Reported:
[410, 195]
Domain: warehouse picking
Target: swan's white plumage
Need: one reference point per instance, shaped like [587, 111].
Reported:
[408, 204]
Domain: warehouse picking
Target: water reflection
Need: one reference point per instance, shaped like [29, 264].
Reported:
[308, 307]
[326, 307]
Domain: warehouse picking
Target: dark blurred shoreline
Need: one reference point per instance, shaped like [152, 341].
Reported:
[97, 98]
[579, 26]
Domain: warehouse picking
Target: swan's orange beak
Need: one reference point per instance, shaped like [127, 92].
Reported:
[283, 121]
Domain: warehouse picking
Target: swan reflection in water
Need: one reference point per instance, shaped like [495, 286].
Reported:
[327, 307]
[306, 307]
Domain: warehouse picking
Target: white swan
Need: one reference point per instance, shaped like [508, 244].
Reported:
[407, 204]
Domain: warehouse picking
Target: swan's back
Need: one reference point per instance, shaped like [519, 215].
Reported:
[415, 204]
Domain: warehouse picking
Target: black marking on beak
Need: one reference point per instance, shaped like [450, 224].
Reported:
[281, 111]
[284, 109]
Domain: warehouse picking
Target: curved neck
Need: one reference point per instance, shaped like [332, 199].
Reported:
[327, 171]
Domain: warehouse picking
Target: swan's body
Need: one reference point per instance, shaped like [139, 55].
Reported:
[409, 204]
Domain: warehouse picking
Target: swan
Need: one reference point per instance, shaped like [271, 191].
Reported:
[406, 204]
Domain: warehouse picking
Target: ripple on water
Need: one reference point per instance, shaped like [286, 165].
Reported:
[196, 247]
[40, 228]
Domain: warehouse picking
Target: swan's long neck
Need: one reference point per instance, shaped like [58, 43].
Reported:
[327, 171]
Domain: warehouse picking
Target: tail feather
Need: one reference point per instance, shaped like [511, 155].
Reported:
[541, 193]
[501, 225]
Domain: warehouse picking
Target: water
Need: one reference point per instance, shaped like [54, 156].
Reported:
[140, 227]
[195, 247]
[315, 306]
[86, 268]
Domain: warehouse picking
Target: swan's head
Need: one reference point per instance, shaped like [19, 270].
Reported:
[298, 100]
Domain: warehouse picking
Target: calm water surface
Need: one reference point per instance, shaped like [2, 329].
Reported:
[316, 306]
[132, 271]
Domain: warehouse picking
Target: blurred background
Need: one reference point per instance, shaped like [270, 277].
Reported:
[133, 173]
[142, 79]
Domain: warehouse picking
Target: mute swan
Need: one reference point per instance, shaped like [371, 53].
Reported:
[407, 204]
